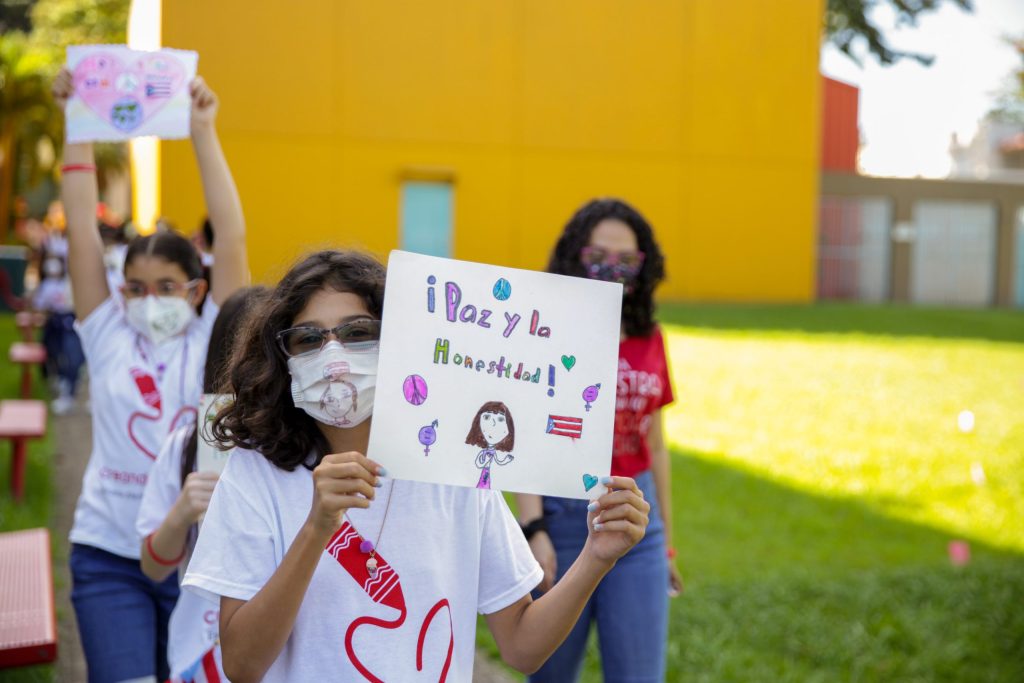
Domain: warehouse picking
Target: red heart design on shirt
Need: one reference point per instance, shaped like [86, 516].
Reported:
[175, 423]
[128, 95]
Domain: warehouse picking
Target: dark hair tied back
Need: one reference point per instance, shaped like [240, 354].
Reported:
[169, 246]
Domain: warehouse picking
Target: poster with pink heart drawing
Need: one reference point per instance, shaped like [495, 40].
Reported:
[493, 377]
[122, 93]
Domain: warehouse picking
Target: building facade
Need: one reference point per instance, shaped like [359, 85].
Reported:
[474, 129]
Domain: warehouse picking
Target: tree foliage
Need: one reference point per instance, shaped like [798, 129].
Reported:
[849, 27]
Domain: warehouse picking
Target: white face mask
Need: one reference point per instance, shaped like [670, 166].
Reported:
[335, 386]
[159, 317]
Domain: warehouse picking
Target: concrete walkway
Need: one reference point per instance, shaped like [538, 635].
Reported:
[73, 442]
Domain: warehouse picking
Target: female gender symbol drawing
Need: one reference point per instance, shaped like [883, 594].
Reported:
[428, 435]
[493, 431]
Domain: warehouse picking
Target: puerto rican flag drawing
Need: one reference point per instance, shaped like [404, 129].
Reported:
[560, 425]
[204, 670]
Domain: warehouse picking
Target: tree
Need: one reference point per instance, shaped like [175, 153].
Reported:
[28, 63]
[26, 109]
[847, 26]
[1010, 101]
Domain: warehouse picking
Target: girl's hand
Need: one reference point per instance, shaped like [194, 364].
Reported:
[63, 88]
[195, 496]
[341, 481]
[204, 105]
[617, 520]
[675, 580]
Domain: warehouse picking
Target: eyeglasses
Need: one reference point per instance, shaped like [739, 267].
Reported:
[137, 290]
[358, 335]
[594, 256]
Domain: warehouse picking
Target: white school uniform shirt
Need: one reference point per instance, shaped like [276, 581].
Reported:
[194, 625]
[140, 392]
[446, 553]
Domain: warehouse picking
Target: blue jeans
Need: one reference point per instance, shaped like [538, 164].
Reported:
[122, 615]
[630, 606]
[63, 348]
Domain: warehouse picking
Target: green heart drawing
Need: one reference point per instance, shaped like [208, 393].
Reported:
[568, 362]
[589, 481]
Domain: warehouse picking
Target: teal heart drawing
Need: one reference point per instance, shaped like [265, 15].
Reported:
[568, 362]
[589, 481]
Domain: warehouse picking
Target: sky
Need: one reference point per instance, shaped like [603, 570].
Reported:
[908, 111]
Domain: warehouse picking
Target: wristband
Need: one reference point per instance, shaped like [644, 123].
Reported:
[68, 168]
[157, 558]
[670, 553]
[539, 524]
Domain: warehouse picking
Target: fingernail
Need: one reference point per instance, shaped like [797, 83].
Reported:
[606, 480]
[597, 526]
[593, 506]
[382, 472]
[378, 483]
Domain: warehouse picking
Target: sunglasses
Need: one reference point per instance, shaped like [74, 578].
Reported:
[596, 256]
[358, 335]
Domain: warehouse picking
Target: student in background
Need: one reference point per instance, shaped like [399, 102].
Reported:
[146, 347]
[174, 501]
[64, 356]
[609, 240]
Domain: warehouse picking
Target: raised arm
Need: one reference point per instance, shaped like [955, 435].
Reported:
[230, 259]
[80, 195]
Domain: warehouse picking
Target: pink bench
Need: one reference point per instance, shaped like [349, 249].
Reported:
[28, 621]
[28, 322]
[19, 422]
[27, 355]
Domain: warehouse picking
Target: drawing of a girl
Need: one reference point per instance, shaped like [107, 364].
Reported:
[493, 430]
[340, 398]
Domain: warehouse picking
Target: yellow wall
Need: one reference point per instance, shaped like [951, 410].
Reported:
[704, 114]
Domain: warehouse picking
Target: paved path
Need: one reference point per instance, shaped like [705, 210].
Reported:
[73, 441]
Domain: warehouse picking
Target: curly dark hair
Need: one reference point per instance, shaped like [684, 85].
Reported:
[637, 304]
[263, 417]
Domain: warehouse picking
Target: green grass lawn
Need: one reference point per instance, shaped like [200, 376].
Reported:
[37, 508]
[819, 476]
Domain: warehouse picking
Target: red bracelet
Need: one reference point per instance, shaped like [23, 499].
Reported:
[68, 168]
[157, 558]
[671, 553]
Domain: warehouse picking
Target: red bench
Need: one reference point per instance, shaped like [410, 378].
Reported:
[27, 355]
[19, 422]
[28, 621]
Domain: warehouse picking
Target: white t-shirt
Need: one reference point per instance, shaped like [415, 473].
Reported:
[194, 624]
[446, 553]
[139, 393]
[53, 295]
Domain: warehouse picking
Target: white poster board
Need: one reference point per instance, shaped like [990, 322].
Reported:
[122, 93]
[209, 457]
[496, 377]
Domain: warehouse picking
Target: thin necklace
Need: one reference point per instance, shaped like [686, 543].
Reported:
[368, 547]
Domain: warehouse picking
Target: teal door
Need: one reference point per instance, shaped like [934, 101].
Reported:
[426, 218]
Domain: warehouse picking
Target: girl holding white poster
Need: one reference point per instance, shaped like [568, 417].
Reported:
[325, 570]
[145, 347]
[609, 240]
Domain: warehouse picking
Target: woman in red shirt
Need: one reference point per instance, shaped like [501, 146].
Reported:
[609, 240]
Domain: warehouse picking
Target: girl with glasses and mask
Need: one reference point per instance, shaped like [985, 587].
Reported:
[326, 569]
[609, 240]
[145, 347]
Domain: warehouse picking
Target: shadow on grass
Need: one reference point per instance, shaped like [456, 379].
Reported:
[784, 585]
[834, 318]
